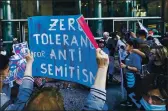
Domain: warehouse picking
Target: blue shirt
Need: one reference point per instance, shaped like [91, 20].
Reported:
[25, 91]
[133, 60]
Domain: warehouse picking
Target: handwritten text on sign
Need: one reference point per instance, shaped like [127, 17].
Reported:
[61, 49]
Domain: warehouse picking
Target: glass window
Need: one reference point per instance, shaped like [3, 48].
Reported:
[23, 8]
[0, 29]
[166, 13]
[87, 8]
[65, 7]
[46, 7]
[154, 8]
[1, 12]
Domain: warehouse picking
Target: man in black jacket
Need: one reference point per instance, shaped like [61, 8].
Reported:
[110, 43]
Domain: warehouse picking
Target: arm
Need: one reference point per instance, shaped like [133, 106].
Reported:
[137, 51]
[136, 64]
[133, 35]
[132, 68]
[129, 67]
[97, 97]
[26, 87]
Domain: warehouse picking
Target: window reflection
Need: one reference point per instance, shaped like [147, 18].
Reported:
[46, 7]
[22, 9]
[87, 8]
[116, 8]
[154, 8]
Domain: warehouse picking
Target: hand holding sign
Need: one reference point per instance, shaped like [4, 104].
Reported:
[102, 58]
[28, 57]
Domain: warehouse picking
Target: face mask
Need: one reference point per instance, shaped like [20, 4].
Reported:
[148, 106]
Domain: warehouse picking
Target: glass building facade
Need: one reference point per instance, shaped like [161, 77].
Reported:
[22, 9]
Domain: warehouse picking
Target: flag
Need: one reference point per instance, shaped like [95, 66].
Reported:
[142, 27]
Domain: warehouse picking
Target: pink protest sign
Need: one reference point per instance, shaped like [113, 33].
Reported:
[87, 31]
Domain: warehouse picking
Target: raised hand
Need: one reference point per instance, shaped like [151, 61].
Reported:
[102, 59]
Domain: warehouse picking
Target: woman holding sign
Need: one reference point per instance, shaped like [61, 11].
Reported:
[26, 87]
[50, 99]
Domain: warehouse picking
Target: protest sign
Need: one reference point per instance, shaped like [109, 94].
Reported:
[20, 49]
[61, 49]
[17, 63]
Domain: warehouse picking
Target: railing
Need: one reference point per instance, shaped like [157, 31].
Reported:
[103, 18]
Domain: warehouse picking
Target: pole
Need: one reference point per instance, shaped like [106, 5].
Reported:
[122, 79]
[38, 7]
[163, 18]
[0, 29]
[111, 8]
[80, 6]
[127, 8]
[7, 27]
[98, 13]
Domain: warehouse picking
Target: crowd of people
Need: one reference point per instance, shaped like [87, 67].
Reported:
[143, 61]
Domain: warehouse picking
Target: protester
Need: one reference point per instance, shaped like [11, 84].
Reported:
[26, 87]
[154, 89]
[101, 45]
[149, 38]
[142, 38]
[110, 44]
[132, 68]
[46, 99]
[121, 47]
[52, 100]
[144, 49]
[106, 37]
[164, 41]
[157, 60]
[153, 97]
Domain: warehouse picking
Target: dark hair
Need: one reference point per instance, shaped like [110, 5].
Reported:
[161, 83]
[101, 41]
[133, 43]
[154, 81]
[150, 38]
[142, 33]
[113, 34]
[4, 62]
